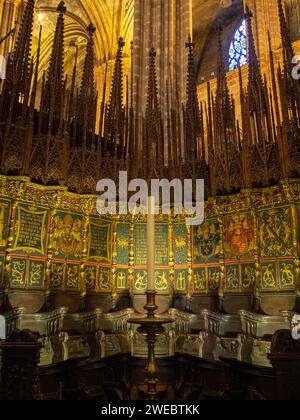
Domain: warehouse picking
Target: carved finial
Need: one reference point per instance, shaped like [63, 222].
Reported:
[190, 44]
[152, 52]
[91, 29]
[61, 8]
[248, 13]
[121, 43]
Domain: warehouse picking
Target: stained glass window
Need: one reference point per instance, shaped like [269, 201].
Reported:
[238, 48]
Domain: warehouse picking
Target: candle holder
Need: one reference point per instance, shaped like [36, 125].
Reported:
[151, 327]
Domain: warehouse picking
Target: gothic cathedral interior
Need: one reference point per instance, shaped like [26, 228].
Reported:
[117, 97]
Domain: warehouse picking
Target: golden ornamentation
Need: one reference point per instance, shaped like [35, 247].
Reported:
[18, 273]
[72, 276]
[67, 236]
[161, 281]
[36, 274]
[123, 243]
[104, 280]
[269, 281]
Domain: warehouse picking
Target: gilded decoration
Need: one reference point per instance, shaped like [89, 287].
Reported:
[207, 242]
[122, 279]
[269, 276]
[65, 219]
[123, 243]
[180, 244]
[287, 274]
[199, 280]
[140, 280]
[233, 277]
[36, 274]
[248, 276]
[104, 283]
[162, 281]
[91, 278]
[18, 267]
[4, 218]
[99, 241]
[67, 237]
[72, 277]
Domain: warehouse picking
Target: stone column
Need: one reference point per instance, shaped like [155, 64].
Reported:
[9, 19]
[166, 26]
[265, 19]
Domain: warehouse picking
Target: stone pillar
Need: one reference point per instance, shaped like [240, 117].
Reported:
[166, 26]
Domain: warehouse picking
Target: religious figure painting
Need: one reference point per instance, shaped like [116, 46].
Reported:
[275, 232]
[200, 283]
[67, 237]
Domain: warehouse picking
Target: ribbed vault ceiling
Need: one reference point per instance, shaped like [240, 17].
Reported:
[112, 18]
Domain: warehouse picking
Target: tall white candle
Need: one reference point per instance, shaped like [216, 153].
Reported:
[151, 243]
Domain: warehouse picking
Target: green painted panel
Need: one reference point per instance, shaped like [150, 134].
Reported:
[18, 273]
[248, 276]
[233, 277]
[269, 280]
[72, 276]
[180, 244]
[214, 277]
[36, 274]
[122, 279]
[239, 236]
[104, 280]
[288, 274]
[275, 233]
[199, 280]
[91, 277]
[31, 230]
[4, 222]
[99, 241]
[140, 280]
[57, 275]
[181, 280]
[67, 236]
